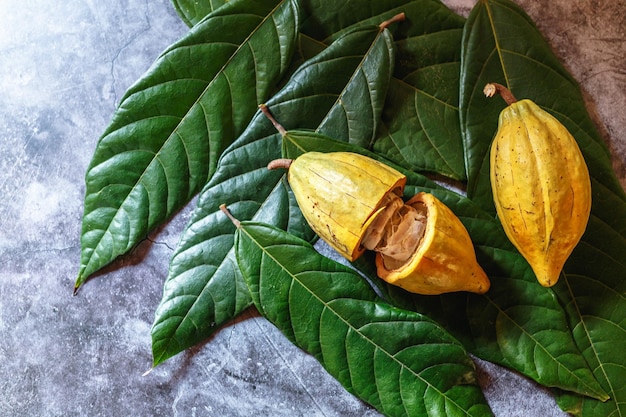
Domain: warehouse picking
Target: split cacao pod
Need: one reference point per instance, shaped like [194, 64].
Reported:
[355, 203]
[541, 186]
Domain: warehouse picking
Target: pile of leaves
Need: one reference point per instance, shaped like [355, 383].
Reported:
[409, 94]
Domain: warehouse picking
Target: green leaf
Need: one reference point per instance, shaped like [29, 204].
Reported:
[402, 363]
[502, 44]
[593, 293]
[193, 11]
[354, 73]
[171, 126]
[594, 296]
[202, 290]
[421, 118]
[326, 23]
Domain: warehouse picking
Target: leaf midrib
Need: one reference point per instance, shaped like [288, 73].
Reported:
[358, 69]
[266, 252]
[175, 132]
[541, 346]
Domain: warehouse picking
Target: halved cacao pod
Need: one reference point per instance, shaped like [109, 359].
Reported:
[444, 261]
[340, 194]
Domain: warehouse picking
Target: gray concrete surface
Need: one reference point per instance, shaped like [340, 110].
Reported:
[63, 68]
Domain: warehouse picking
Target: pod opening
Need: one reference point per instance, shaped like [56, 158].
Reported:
[397, 231]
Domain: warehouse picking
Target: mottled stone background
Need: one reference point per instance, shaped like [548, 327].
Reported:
[63, 68]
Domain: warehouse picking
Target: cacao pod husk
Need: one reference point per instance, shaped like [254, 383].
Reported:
[340, 193]
[355, 203]
[444, 261]
[541, 187]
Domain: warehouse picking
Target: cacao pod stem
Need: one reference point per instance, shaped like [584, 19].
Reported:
[491, 89]
[280, 163]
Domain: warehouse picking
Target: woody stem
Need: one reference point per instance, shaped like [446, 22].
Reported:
[491, 89]
[397, 18]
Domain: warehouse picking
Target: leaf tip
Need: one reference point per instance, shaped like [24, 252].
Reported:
[77, 285]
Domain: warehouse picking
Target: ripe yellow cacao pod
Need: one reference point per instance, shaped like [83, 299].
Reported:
[444, 261]
[355, 203]
[340, 193]
[541, 186]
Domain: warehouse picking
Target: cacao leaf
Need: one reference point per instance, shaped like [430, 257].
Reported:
[420, 127]
[171, 126]
[502, 44]
[326, 23]
[518, 323]
[193, 11]
[400, 362]
[346, 83]
[202, 290]
[421, 119]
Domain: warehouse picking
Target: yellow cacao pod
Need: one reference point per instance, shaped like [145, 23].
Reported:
[354, 203]
[541, 187]
[339, 194]
[444, 261]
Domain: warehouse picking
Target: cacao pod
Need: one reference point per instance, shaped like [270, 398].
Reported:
[541, 186]
[340, 193]
[355, 203]
[444, 260]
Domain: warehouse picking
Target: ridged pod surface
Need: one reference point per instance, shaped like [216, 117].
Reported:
[355, 203]
[444, 261]
[340, 193]
[541, 187]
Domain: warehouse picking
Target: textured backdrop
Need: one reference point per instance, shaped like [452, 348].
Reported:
[63, 68]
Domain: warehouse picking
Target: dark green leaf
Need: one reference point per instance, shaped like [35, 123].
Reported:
[421, 122]
[193, 11]
[172, 125]
[502, 44]
[402, 363]
[327, 23]
[202, 290]
[346, 83]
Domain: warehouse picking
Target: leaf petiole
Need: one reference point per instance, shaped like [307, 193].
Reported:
[228, 214]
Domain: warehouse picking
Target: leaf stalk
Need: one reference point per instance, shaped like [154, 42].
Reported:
[228, 214]
[269, 115]
[400, 17]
